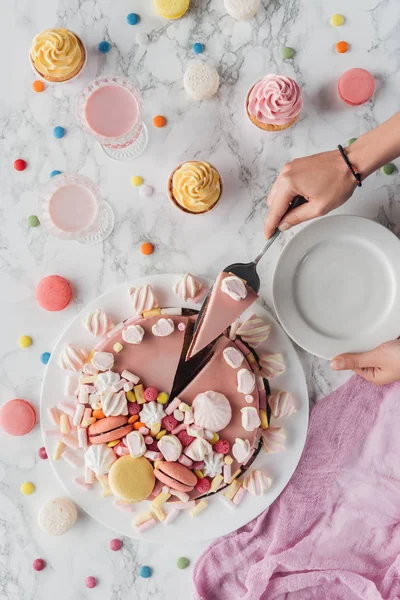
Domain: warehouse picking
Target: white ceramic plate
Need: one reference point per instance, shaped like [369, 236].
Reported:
[336, 286]
[216, 520]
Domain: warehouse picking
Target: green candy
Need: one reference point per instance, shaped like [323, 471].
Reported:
[33, 221]
[388, 169]
[182, 562]
[287, 53]
[351, 141]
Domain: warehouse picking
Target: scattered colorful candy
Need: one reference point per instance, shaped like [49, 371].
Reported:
[115, 545]
[142, 39]
[132, 19]
[90, 582]
[146, 190]
[27, 488]
[337, 20]
[388, 169]
[58, 132]
[145, 572]
[351, 141]
[55, 172]
[342, 47]
[159, 121]
[38, 86]
[104, 47]
[287, 53]
[147, 248]
[53, 293]
[198, 48]
[25, 341]
[42, 453]
[38, 564]
[33, 221]
[136, 180]
[20, 164]
[45, 357]
[182, 562]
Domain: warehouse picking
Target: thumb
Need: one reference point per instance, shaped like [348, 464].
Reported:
[354, 361]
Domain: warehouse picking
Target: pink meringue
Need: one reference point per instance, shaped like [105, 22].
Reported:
[103, 361]
[133, 334]
[271, 365]
[105, 381]
[246, 381]
[188, 287]
[234, 287]
[136, 444]
[275, 100]
[241, 450]
[170, 447]
[281, 404]
[73, 358]
[250, 418]
[98, 323]
[198, 449]
[212, 410]
[163, 328]
[114, 404]
[254, 331]
[274, 439]
[257, 483]
[233, 357]
[143, 298]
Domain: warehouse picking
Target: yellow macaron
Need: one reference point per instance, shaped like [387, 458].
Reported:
[171, 9]
[131, 479]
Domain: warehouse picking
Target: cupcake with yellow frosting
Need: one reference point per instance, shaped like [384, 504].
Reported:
[57, 55]
[195, 187]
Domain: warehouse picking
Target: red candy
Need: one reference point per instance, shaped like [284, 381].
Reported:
[90, 582]
[42, 453]
[150, 394]
[115, 545]
[185, 439]
[38, 564]
[203, 485]
[134, 408]
[169, 423]
[20, 164]
[222, 447]
[153, 447]
[198, 465]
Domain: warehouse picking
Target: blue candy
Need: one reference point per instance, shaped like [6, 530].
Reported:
[145, 572]
[55, 172]
[104, 47]
[198, 48]
[58, 132]
[132, 19]
[45, 357]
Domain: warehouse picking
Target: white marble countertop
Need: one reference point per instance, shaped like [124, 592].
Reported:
[215, 130]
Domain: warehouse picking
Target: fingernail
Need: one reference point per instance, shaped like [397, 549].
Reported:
[337, 364]
[284, 227]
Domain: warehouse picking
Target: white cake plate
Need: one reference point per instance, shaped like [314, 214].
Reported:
[217, 519]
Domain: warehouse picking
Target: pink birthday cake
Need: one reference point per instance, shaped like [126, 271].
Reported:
[170, 411]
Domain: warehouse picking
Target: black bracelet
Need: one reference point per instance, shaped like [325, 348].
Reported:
[350, 167]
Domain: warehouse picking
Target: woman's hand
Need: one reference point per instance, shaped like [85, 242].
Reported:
[379, 366]
[323, 179]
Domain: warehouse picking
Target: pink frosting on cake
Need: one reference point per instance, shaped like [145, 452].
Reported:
[275, 100]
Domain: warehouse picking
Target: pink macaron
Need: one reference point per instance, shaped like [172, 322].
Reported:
[356, 86]
[176, 476]
[109, 429]
[17, 417]
[53, 293]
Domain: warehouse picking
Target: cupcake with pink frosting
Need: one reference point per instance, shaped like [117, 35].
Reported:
[274, 103]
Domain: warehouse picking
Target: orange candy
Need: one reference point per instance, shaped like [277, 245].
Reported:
[38, 86]
[159, 121]
[133, 419]
[147, 248]
[98, 414]
[138, 425]
[342, 47]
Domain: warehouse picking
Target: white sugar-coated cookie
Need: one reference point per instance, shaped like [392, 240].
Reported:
[241, 10]
[57, 516]
[201, 80]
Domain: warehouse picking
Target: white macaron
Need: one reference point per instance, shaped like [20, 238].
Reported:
[241, 10]
[201, 80]
[57, 516]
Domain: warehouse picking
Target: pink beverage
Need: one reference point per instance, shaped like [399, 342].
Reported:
[112, 111]
[72, 208]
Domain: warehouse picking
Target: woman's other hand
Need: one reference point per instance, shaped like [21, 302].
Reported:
[379, 366]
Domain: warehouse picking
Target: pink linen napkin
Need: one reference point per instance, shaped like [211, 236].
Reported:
[334, 533]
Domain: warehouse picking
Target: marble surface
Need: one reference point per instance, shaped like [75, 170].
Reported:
[216, 130]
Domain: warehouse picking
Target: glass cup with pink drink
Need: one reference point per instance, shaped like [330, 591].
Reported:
[110, 109]
[71, 207]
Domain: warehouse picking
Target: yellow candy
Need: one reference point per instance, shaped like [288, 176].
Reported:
[214, 439]
[263, 419]
[236, 474]
[139, 393]
[142, 518]
[200, 506]
[27, 488]
[232, 489]
[136, 180]
[199, 474]
[228, 460]
[216, 482]
[160, 500]
[337, 20]
[118, 347]
[130, 396]
[162, 398]
[151, 313]
[25, 341]
[155, 429]
[160, 514]
[113, 443]
[161, 434]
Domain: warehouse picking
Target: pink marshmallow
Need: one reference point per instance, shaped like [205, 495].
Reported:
[130, 377]
[148, 440]
[171, 407]
[71, 459]
[89, 475]
[115, 329]
[70, 441]
[54, 415]
[70, 385]
[171, 516]
[82, 437]
[118, 386]
[157, 488]
[144, 430]
[238, 497]
[185, 460]
[83, 397]
[227, 473]
[80, 409]
[66, 408]
[81, 483]
[183, 496]
[128, 386]
[179, 428]
[146, 525]
[234, 327]
[153, 455]
[121, 450]
[52, 432]
[260, 383]
[123, 506]
[185, 505]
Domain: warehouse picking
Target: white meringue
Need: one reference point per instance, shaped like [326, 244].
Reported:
[241, 450]
[241, 10]
[136, 444]
[170, 447]
[233, 357]
[234, 287]
[198, 449]
[254, 331]
[114, 404]
[151, 413]
[274, 439]
[281, 404]
[195, 431]
[163, 327]
[213, 464]
[99, 458]
[249, 398]
[142, 299]
[246, 381]
[212, 410]
[257, 483]
[250, 418]
[133, 334]
[73, 358]
[271, 365]
[188, 287]
[105, 381]
[103, 361]
[98, 323]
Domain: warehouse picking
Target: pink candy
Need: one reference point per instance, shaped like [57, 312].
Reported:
[185, 505]
[90, 582]
[38, 564]
[240, 494]
[54, 415]
[157, 488]
[121, 450]
[150, 394]
[172, 406]
[144, 431]
[148, 440]
[151, 455]
[146, 525]
[67, 408]
[82, 437]
[171, 516]
[70, 441]
[115, 545]
[89, 475]
[130, 377]
[185, 460]
[183, 496]
[80, 409]
[42, 453]
[179, 428]
[71, 459]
